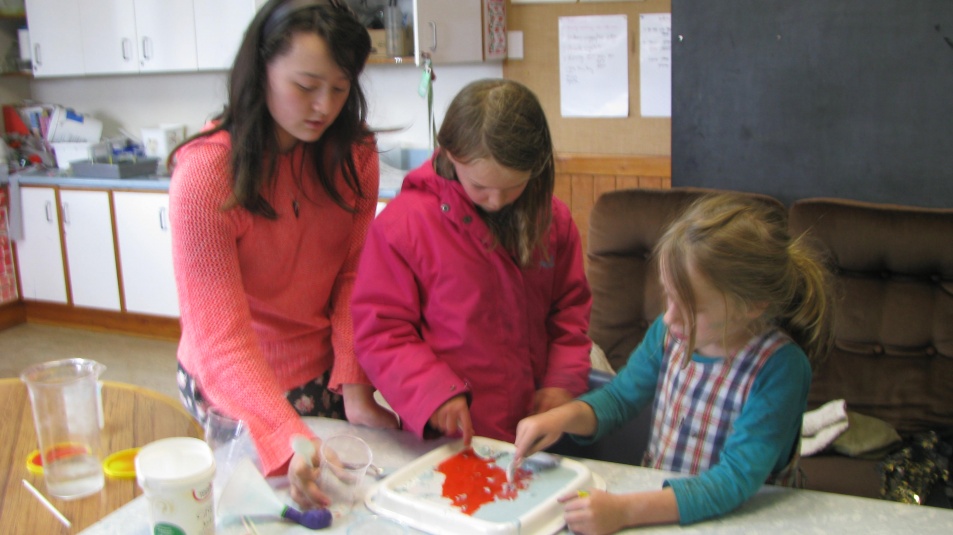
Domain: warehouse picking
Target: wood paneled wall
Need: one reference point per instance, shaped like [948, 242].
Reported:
[582, 178]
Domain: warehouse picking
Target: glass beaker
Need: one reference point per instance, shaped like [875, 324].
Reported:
[67, 413]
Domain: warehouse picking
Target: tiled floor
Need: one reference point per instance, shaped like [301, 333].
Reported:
[128, 359]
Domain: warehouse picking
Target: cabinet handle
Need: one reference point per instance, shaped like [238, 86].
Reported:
[37, 59]
[126, 49]
[49, 211]
[66, 220]
[433, 31]
[164, 218]
[146, 49]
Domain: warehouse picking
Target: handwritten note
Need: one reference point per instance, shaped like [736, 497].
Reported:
[655, 64]
[594, 66]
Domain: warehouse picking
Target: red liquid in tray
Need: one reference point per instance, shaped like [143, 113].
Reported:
[472, 481]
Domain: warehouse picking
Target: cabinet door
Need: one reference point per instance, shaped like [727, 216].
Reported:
[219, 28]
[39, 253]
[55, 37]
[145, 252]
[90, 250]
[166, 33]
[450, 31]
[109, 36]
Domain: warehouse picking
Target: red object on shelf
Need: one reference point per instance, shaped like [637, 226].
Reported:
[12, 122]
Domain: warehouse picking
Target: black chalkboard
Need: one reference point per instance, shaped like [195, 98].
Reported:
[811, 98]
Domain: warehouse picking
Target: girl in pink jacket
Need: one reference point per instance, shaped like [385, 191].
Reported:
[471, 305]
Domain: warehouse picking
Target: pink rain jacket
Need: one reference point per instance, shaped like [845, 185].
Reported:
[438, 313]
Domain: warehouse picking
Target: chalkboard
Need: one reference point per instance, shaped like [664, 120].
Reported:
[810, 98]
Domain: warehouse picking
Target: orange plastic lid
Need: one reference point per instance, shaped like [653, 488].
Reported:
[122, 464]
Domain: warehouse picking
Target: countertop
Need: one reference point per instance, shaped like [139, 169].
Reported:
[390, 181]
[60, 178]
[774, 510]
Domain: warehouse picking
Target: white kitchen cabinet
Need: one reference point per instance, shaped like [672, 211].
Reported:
[166, 35]
[110, 45]
[219, 28]
[55, 37]
[145, 252]
[90, 248]
[40, 253]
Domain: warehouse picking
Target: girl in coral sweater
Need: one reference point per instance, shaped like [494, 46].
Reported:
[269, 209]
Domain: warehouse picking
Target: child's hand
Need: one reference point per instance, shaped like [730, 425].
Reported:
[454, 417]
[594, 512]
[550, 398]
[361, 408]
[535, 433]
[303, 477]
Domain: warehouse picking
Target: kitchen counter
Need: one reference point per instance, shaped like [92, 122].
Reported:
[60, 178]
[774, 510]
[390, 181]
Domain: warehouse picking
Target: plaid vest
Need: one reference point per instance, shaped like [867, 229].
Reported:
[695, 406]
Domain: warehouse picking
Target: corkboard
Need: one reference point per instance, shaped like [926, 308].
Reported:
[539, 70]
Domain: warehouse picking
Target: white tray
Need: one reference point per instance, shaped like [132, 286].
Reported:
[413, 495]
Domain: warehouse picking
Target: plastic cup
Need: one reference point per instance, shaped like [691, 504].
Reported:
[67, 408]
[175, 475]
[344, 462]
[228, 438]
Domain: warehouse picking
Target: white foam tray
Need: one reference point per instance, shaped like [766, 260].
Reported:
[534, 512]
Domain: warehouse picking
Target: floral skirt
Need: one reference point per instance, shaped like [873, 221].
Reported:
[310, 399]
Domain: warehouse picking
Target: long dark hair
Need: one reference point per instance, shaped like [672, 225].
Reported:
[503, 120]
[247, 119]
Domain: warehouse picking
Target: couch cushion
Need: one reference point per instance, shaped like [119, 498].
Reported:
[893, 355]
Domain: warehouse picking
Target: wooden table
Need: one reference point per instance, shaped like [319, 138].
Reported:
[134, 417]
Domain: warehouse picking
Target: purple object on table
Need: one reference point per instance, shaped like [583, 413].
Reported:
[313, 519]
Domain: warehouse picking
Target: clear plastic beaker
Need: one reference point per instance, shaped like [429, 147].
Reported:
[67, 413]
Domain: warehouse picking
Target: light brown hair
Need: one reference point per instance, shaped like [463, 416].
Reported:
[504, 121]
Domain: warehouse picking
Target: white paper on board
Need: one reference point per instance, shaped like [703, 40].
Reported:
[594, 66]
[655, 64]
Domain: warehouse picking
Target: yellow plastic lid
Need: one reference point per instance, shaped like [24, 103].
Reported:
[34, 462]
[122, 464]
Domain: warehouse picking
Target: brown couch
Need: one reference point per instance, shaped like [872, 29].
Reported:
[893, 356]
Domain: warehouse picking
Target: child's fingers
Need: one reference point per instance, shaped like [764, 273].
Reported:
[566, 498]
[466, 427]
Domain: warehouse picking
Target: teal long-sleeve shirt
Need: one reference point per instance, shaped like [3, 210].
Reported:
[763, 437]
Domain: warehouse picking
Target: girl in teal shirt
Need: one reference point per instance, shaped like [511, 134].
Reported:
[727, 369]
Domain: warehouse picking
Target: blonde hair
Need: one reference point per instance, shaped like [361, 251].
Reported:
[742, 245]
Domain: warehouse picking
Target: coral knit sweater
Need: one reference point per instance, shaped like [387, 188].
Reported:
[265, 304]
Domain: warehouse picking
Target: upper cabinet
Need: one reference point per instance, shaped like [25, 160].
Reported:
[219, 28]
[78, 37]
[123, 36]
[166, 32]
[110, 44]
[55, 37]
[450, 31]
